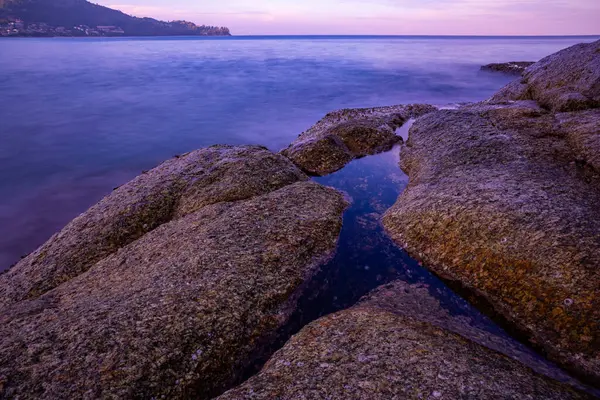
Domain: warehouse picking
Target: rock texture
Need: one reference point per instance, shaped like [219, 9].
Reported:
[566, 81]
[397, 343]
[347, 134]
[583, 133]
[511, 68]
[174, 189]
[180, 310]
[498, 201]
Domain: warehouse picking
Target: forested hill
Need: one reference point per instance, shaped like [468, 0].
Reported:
[77, 13]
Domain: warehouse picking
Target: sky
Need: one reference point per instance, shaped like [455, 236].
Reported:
[378, 17]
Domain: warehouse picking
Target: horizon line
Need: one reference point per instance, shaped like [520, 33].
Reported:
[404, 35]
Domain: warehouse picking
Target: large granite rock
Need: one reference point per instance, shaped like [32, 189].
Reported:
[510, 68]
[399, 343]
[168, 192]
[182, 310]
[566, 81]
[344, 135]
[499, 202]
[583, 133]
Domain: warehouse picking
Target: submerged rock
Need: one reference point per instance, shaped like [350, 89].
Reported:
[396, 343]
[182, 310]
[512, 68]
[176, 188]
[498, 202]
[347, 134]
[566, 81]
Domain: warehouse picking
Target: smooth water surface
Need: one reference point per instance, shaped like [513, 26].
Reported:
[81, 116]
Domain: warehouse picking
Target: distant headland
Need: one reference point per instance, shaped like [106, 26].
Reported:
[71, 18]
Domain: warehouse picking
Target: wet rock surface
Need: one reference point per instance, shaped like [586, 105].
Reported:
[185, 307]
[344, 135]
[498, 202]
[398, 342]
[511, 68]
[566, 81]
[168, 192]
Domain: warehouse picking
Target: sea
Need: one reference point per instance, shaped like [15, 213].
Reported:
[80, 116]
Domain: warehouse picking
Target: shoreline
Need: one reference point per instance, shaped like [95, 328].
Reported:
[189, 273]
[308, 37]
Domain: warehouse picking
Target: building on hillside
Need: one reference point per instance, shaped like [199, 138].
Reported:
[111, 30]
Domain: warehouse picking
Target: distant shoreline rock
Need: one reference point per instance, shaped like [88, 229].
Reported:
[511, 68]
[565, 81]
[75, 18]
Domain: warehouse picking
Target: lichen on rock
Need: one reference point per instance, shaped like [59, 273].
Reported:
[583, 133]
[344, 135]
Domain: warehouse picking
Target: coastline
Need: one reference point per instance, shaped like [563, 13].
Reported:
[213, 252]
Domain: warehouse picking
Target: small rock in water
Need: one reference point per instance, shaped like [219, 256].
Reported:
[512, 68]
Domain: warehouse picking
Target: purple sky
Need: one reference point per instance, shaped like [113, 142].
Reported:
[401, 17]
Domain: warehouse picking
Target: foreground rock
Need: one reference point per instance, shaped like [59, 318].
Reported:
[347, 134]
[566, 81]
[511, 68]
[499, 201]
[171, 191]
[182, 310]
[397, 343]
[583, 133]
